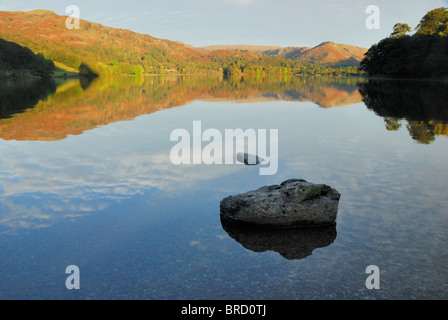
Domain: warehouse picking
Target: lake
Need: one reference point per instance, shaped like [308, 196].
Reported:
[86, 179]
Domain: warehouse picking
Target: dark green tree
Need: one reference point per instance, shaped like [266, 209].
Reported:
[17, 60]
[422, 55]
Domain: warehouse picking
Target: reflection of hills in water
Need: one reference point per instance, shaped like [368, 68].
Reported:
[77, 106]
[18, 95]
[422, 104]
[290, 243]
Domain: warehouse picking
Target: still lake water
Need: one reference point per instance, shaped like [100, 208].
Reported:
[86, 180]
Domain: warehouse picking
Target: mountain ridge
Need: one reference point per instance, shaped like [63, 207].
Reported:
[325, 52]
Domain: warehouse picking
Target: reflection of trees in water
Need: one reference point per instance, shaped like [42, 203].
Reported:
[422, 104]
[77, 106]
[392, 124]
[422, 131]
[18, 95]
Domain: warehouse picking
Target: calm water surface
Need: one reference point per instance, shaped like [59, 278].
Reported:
[86, 179]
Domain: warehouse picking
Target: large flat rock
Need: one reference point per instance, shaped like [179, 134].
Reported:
[293, 203]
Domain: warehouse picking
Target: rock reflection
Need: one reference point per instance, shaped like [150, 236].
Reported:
[292, 244]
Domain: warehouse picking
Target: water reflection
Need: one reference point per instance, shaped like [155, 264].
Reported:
[40, 111]
[422, 104]
[18, 95]
[43, 183]
[290, 243]
[77, 106]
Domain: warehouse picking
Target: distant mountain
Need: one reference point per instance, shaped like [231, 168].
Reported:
[326, 52]
[334, 52]
[239, 47]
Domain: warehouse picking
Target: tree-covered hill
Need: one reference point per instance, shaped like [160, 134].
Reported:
[94, 49]
[421, 55]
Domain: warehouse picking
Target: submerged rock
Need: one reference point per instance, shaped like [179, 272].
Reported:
[248, 159]
[293, 203]
[290, 244]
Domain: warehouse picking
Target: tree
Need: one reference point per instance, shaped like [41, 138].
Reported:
[19, 60]
[400, 29]
[424, 54]
[392, 124]
[42, 67]
[434, 22]
[421, 131]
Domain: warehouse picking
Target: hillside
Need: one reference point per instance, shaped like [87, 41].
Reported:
[326, 52]
[330, 52]
[95, 49]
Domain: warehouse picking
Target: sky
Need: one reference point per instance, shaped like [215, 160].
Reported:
[284, 23]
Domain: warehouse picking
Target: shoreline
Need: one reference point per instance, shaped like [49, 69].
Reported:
[382, 78]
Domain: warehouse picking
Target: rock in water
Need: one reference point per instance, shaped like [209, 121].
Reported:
[249, 159]
[293, 203]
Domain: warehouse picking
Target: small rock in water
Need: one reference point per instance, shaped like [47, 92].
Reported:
[249, 159]
[293, 203]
